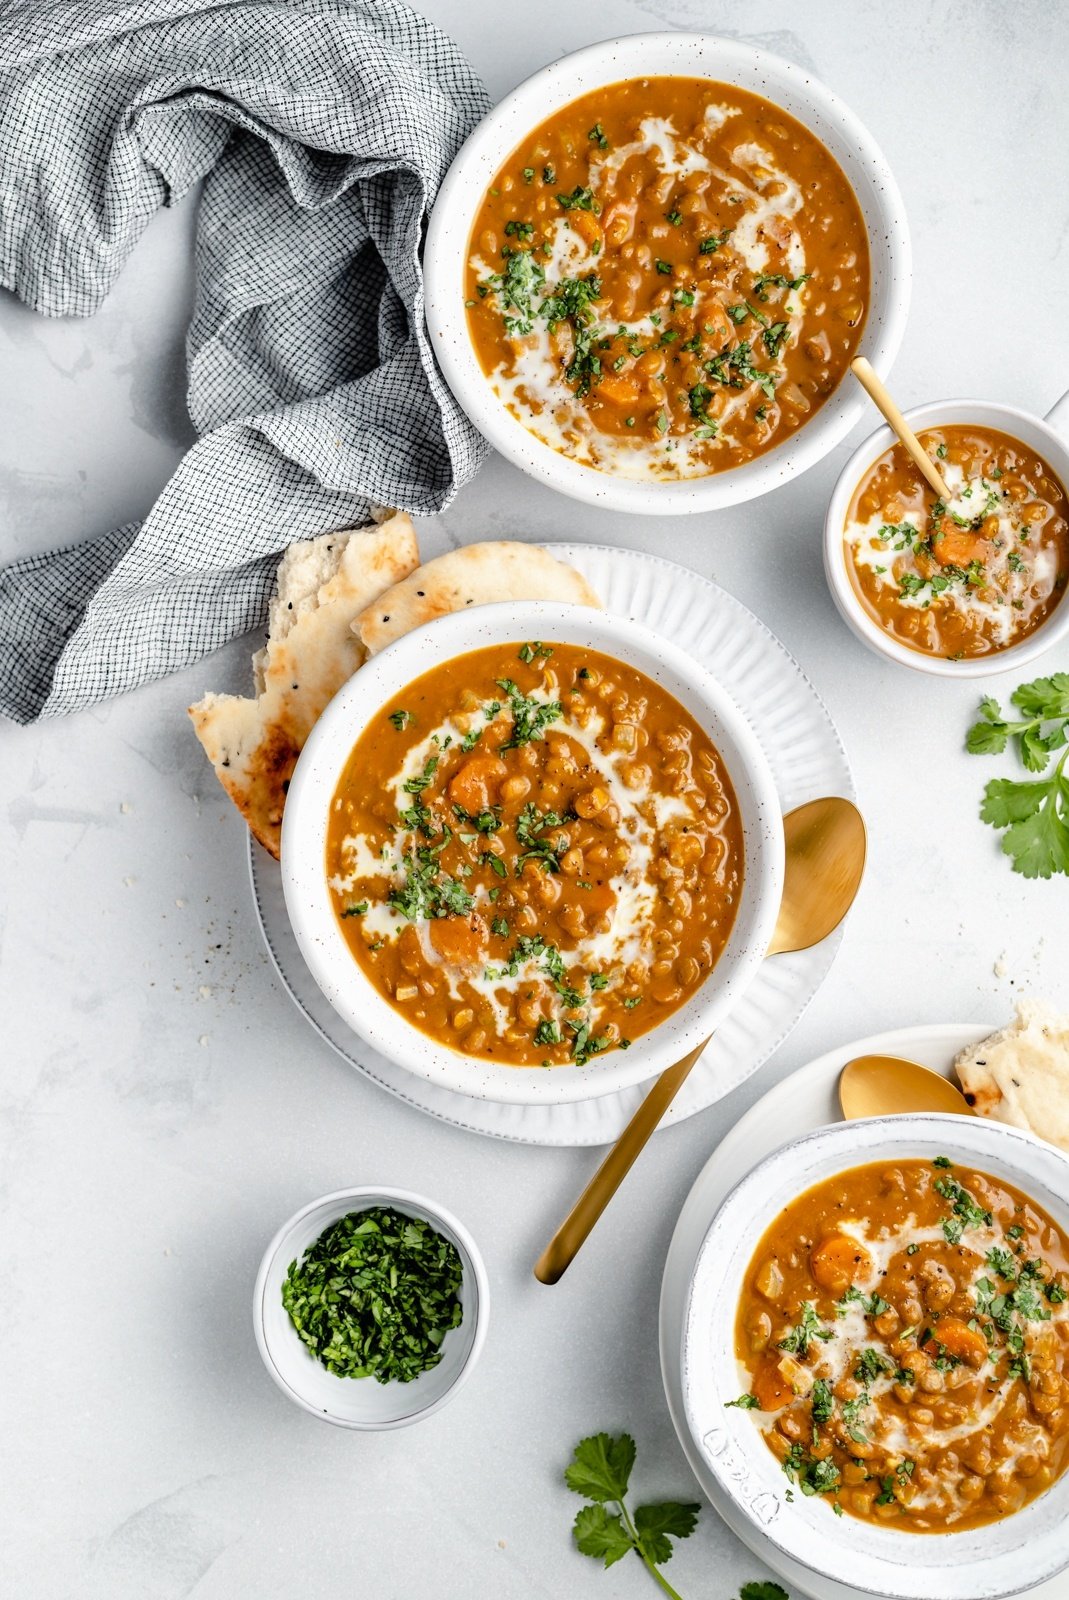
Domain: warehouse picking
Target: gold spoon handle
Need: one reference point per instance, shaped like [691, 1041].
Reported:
[562, 1249]
[876, 391]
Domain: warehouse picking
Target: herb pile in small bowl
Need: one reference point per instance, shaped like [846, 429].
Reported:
[375, 1295]
[371, 1285]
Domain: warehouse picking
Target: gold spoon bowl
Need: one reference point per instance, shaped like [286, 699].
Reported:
[888, 1086]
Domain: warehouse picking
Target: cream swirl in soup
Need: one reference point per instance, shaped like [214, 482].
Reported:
[969, 575]
[666, 278]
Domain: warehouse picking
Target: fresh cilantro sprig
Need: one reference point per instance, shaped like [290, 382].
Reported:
[1034, 815]
[1042, 729]
[600, 1471]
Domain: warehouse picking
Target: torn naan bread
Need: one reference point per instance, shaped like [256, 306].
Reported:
[474, 575]
[1020, 1075]
[311, 650]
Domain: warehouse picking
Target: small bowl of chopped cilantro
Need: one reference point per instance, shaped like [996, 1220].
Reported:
[371, 1307]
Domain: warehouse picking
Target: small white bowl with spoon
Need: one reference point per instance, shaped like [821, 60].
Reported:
[1047, 437]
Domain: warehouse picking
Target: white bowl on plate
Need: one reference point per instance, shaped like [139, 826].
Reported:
[977, 1564]
[698, 55]
[311, 791]
[363, 1403]
[1048, 436]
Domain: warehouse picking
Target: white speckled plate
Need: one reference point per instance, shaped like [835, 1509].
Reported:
[807, 760]
[803, 1102]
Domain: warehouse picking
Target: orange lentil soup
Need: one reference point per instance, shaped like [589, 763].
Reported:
[905, 1333]
[667, 277]
[971, 575]
[535, 854]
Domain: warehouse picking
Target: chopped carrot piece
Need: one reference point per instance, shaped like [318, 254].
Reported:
[460, 941]
[618, 390]
[475, 786]
[770, 1386]
[838, 1261]
[958, 1340]
[956, 547]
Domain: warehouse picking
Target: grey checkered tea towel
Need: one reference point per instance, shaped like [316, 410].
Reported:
[321, 129]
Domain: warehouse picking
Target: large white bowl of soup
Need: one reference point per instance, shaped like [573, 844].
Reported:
[876, 1356]
[533, 852]
[968, 585]
[649, 267]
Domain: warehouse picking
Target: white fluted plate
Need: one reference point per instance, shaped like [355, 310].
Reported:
[807, 760]
[806, 1100]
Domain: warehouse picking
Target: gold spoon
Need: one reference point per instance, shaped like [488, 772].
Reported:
[886, 1086]
[825, 857]
[876, 391]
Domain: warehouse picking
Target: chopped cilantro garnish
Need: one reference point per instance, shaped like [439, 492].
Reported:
[528, 652]
[799, 1338]
[580, 199]
[516, 288]
[530, 717]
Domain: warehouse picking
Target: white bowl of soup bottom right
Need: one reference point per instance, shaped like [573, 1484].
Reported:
[1002, 1558]
[1048, 436]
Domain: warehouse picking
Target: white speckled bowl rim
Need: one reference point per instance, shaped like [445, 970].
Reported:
[312, 789]
[362, 1404]
[698, 55]
[1048, 436]
[986, 1563]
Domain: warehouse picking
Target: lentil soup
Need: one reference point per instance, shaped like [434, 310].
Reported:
[974, 574]
[905, 1334]
[667, 277]
[535, 854]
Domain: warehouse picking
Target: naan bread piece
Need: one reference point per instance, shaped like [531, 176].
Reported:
[475, 575]
[1021, 1074]
[311, 651]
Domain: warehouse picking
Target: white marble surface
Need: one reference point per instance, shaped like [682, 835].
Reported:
[163, 1108]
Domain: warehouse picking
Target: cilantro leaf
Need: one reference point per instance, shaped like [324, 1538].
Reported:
[600, 1471]
[601, 1466]
[656, 1523]
[600, 1534]
[1036, 819]
[1044, 697]
[763, 1591]
[1039, 845]
[821, 1401]
[988, 736]
[1007, 800]
[1034, 815]
[1044, 728]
